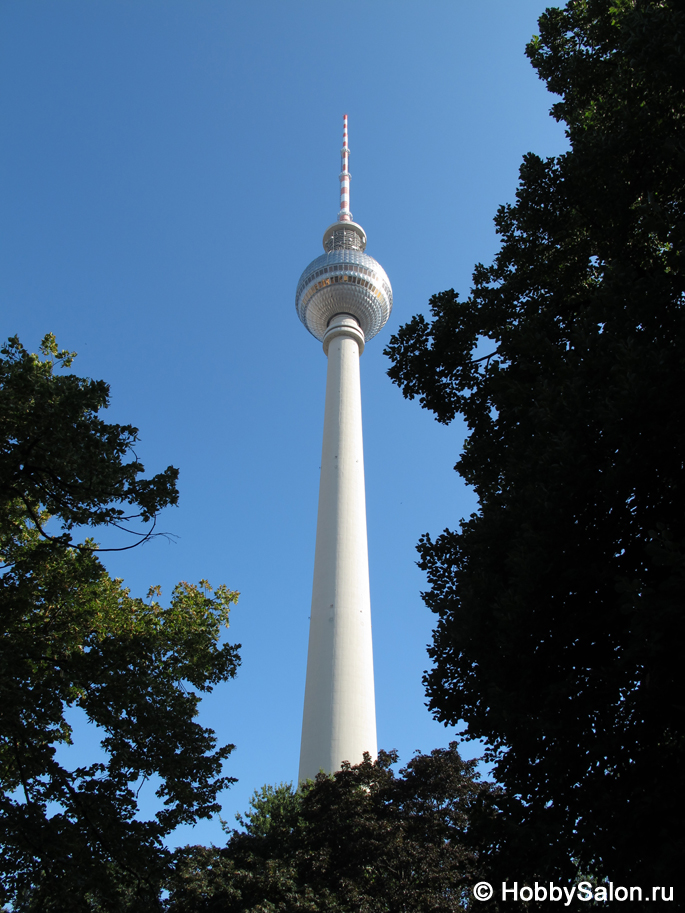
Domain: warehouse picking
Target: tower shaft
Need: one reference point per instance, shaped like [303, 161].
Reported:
[343, 298]
[339, 722]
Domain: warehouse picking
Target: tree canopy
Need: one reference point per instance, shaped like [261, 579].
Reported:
[58, 458]
[561, 630]
[74, 641]
[363, 840]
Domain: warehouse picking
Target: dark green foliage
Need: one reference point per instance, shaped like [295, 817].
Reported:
[75, 640]
[361, 840]
[561, 624]
[58, 456]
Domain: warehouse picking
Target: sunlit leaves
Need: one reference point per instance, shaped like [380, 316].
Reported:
[76, 641]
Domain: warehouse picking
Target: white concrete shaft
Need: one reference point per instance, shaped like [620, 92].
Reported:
[339, 722]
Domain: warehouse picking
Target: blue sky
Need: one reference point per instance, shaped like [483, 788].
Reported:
[167, 170]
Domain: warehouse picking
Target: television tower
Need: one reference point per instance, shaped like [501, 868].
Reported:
[344, 298]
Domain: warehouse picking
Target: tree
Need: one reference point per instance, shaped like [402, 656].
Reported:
[59, 459]
[74, 640]
[561, 630]
[361, 840]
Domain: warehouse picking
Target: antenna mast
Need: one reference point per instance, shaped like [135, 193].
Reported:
[344, 215]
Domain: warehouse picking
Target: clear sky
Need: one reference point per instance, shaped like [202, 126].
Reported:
[167, 170]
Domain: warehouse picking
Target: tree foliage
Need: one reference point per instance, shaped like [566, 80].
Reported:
[362, 840]
[58, 458]
[561, 630]
[75, 641]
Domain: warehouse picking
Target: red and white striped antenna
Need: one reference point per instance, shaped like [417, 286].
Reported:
[344, 215]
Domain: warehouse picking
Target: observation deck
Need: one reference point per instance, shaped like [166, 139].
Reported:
[344, 280]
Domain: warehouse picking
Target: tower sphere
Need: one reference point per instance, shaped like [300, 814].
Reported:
[344, 280]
